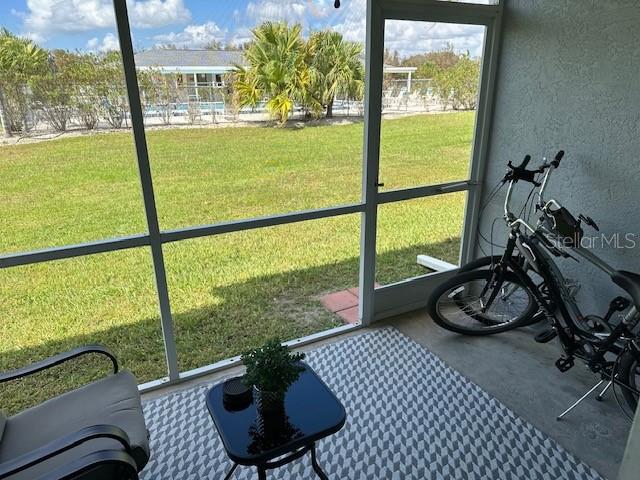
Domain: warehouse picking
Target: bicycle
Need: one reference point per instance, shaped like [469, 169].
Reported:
[504, 296]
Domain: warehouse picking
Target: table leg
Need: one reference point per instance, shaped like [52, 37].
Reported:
[314, 463]
[262, 473]
[233, 469]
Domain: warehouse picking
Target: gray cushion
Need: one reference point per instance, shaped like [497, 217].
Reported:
[113, 400]
[3, 421]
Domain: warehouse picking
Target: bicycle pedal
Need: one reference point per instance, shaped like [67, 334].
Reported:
[564, 364]
[546, 336]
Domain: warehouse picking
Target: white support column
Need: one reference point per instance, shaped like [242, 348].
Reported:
[371, 160]
[409, 83]
[196, 87]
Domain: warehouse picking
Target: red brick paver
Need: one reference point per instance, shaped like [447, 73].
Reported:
[344, 304]
[350, 315]
[337, 301]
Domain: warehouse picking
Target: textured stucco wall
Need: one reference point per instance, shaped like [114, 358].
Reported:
[569, 77]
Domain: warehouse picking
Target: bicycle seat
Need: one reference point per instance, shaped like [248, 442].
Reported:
[630, 283]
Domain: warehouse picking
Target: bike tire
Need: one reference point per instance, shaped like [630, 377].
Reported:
[449, 290]
[487, 262]
[628, 372]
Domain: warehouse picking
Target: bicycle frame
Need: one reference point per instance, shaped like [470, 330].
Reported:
[534, 248]
[515, 223]
[557, 302]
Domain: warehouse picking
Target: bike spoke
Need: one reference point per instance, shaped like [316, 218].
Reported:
[491, 307]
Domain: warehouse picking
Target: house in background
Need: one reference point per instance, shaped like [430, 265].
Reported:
[206, 68]
[195, 69]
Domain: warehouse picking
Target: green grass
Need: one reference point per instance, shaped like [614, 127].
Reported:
[229, 292]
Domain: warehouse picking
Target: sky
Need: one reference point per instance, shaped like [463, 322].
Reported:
[89, 25]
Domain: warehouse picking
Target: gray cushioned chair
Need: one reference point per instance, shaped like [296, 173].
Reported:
[94, 432]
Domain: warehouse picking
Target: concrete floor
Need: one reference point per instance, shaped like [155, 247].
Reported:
[521, 374]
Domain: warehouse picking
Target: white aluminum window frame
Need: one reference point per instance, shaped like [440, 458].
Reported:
[375, 303]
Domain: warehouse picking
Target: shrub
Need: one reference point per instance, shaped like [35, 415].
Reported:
[272, 367]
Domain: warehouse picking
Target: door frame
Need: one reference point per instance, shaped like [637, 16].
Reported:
[410, 294]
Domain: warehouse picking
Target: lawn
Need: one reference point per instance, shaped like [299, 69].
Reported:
[229, 292]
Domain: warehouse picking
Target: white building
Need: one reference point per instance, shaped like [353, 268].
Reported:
[206, 68]
[195, 69]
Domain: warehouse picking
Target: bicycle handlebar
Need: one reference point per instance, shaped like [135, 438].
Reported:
[525, 162]
[555, 163]
[521, 173]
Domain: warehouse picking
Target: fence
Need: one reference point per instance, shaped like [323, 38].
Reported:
[194, 105]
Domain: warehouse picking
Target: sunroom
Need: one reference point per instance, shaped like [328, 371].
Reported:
[346, 170]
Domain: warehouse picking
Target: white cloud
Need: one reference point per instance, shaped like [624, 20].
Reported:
[240, 36]
[158, 13]
[33, 36]
[353, 20]
[69, 16]
[109, 43]
[311, 14]
[411, 38]
[292, 11]
[193, 36]
[408, 37]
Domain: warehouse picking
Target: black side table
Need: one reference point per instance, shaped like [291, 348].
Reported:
[311, 412]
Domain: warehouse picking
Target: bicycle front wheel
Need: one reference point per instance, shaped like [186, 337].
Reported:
[478, 303]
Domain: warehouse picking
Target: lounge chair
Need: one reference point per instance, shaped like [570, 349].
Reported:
[94, 432]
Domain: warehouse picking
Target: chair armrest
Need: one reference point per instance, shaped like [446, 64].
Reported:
[89, 462]
[62, 445]
[57, 360]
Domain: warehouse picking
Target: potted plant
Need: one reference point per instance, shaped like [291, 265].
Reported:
[271, 369]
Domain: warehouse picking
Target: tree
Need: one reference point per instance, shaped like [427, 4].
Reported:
[391, 58]
[443, 58]
[161, 91]
[213, 45]
[231, 95]
[465, 78]
[458, 85]
[426, 70]
[86, 75]
[443, 86]
[336, 68]
[54, 91]
[20, 61]
[111, 89]
[278, 59]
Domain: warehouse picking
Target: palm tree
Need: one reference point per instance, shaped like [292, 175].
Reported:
[337, 68]
[20, 60]
[278, 59]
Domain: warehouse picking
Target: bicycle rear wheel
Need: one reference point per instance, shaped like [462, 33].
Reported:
[477, 303]
[628, 372]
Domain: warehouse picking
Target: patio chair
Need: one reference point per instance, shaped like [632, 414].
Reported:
[94, 432]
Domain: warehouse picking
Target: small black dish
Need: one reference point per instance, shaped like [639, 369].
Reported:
[236, 395]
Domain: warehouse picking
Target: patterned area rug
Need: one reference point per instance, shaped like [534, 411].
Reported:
[409, 417]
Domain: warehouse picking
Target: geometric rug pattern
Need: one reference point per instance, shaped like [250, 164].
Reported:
[409, 416]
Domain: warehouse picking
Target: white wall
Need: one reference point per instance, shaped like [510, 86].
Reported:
[569, 77]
